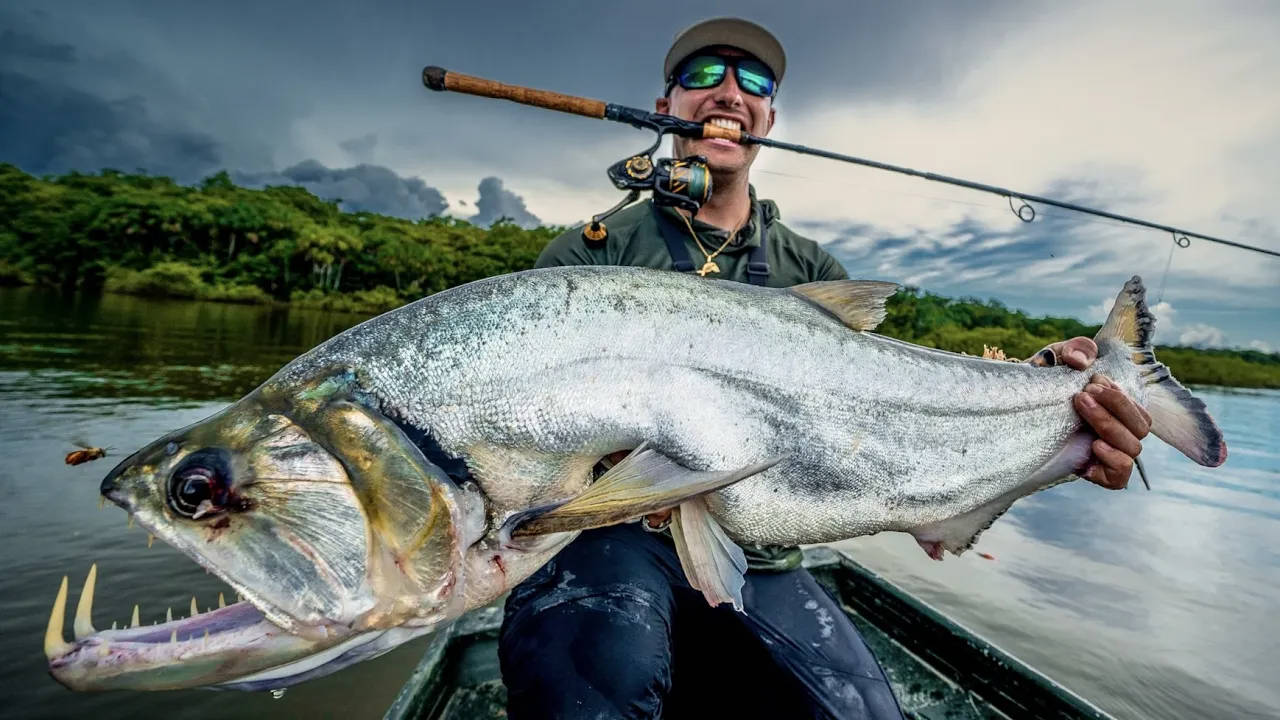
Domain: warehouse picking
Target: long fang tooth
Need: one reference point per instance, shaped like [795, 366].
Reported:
[83, 625]
[221, 602]
[54, 643]
[204, 644]
[113, 624]
[134, 622]
[173, 636]
[168, 615]
[150, 539]
[194, 610]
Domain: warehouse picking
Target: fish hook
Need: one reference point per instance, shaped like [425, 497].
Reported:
[1179, 240]
[1026, 217]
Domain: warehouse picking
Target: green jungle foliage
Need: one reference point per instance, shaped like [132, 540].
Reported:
[145, 235]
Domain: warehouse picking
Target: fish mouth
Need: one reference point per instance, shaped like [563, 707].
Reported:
[227, 646]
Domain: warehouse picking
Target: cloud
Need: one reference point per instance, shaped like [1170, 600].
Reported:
[17, 44]
[1202, 336]
[48, 127]
[1261, 346]
[496, 202]
[371, 188]
[360, 148]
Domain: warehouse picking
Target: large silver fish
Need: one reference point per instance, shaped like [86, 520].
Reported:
[419, 465]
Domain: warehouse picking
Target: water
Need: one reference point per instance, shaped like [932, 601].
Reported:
[1152, 604]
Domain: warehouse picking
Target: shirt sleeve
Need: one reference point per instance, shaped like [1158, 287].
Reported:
[828, 268]
[566, 249]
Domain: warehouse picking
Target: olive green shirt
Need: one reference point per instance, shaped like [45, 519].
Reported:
[634, 238]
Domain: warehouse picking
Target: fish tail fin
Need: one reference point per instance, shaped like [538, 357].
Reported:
[1177, 417]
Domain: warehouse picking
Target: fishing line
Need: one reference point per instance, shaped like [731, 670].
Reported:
[686, 183]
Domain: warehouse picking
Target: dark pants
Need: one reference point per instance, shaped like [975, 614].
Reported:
[610, 628]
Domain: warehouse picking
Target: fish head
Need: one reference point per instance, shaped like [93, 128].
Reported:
[315, 508]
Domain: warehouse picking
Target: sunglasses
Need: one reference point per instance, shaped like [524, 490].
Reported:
[707, 71]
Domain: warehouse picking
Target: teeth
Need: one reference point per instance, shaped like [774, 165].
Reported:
[194, 610]
[113, 624]
[54, 644]
[726, 123]
[173, 635]
[150, 539]
[204, 644]
[134, 622]
[168, 615]
[83, 625]
[221, 602]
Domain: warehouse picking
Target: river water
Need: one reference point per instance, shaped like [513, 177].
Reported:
[1159, 604]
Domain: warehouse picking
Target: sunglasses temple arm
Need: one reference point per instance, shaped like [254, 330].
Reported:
[439, 79]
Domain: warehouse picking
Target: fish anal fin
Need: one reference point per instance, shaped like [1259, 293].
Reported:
[959, 533]
[712, 562]
[644, 482]
[858, 304]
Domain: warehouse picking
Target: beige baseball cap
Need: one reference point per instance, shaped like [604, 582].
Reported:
[735, 32]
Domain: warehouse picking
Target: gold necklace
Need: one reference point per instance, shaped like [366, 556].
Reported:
[710, 266]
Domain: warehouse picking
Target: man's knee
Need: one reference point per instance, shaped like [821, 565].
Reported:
[589, 635]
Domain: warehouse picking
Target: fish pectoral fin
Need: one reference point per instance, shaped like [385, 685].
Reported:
[644, 482]
[858, 304]
[712, 562]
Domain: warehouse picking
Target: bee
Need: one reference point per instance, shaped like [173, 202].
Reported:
[76, 457]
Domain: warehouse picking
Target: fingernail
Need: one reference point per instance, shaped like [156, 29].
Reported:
[1093, 389]
[1088, 401]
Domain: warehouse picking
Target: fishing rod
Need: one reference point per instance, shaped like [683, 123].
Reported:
[686, 183]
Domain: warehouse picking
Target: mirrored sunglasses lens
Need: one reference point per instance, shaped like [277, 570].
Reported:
[755, 78]
[702, 73]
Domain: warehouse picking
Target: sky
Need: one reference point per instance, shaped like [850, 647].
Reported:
[1162, 110]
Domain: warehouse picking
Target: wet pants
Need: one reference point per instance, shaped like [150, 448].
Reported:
[610, 628]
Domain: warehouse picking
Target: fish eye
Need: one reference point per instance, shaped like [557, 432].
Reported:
[200, 485]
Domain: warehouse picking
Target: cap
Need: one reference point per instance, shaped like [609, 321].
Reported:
[735, 32]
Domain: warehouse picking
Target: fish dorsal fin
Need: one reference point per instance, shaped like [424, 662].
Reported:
[857, 303]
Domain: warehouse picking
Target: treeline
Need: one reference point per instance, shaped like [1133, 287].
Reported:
[150, 236]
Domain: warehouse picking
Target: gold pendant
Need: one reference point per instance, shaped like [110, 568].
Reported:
[710, 267]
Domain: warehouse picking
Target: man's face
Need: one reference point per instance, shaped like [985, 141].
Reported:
[726, 101]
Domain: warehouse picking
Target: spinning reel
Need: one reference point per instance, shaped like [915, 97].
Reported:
[683, 184]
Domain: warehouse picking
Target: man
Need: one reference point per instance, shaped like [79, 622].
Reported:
[610, 627]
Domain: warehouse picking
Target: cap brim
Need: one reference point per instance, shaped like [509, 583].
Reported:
[733, 32]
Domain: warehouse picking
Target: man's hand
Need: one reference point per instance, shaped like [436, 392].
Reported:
[1119, 422]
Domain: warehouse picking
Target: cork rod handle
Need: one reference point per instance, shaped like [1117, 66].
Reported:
[437, 78]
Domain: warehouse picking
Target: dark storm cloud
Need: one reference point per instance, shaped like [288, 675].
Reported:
[51, 128]
[251, 74]
[497, 202]
[14, 44]
[371, 188]
[360, 148]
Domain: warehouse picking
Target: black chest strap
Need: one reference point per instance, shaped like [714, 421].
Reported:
[757, 260]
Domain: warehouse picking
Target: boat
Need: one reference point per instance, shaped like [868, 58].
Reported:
[939, 669]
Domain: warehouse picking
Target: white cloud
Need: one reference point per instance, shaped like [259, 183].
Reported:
[1261, 346]
[1203, 336]
[1171, 116]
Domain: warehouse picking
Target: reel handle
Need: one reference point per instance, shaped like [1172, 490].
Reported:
[437, 78]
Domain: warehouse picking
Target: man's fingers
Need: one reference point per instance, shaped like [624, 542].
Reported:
[1077, 353]
[1113, 467]
[1135, 419]
[1105, 425]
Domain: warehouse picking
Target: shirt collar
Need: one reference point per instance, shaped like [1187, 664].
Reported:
[748, 237]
